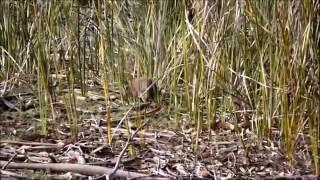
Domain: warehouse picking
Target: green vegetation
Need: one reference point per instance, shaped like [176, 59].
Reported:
[245, 62]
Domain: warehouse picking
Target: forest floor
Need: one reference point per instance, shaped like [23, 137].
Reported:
[160, 149]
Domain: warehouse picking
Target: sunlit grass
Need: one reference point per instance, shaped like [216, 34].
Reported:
[235, 61]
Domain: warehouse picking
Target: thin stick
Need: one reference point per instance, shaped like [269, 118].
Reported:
[114, 170]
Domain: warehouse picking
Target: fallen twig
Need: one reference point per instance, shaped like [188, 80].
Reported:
[76, 168]
[115, 169]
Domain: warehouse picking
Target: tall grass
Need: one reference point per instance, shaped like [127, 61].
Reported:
[238, 61]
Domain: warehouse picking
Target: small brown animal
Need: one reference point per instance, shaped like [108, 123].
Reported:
[139, 85]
